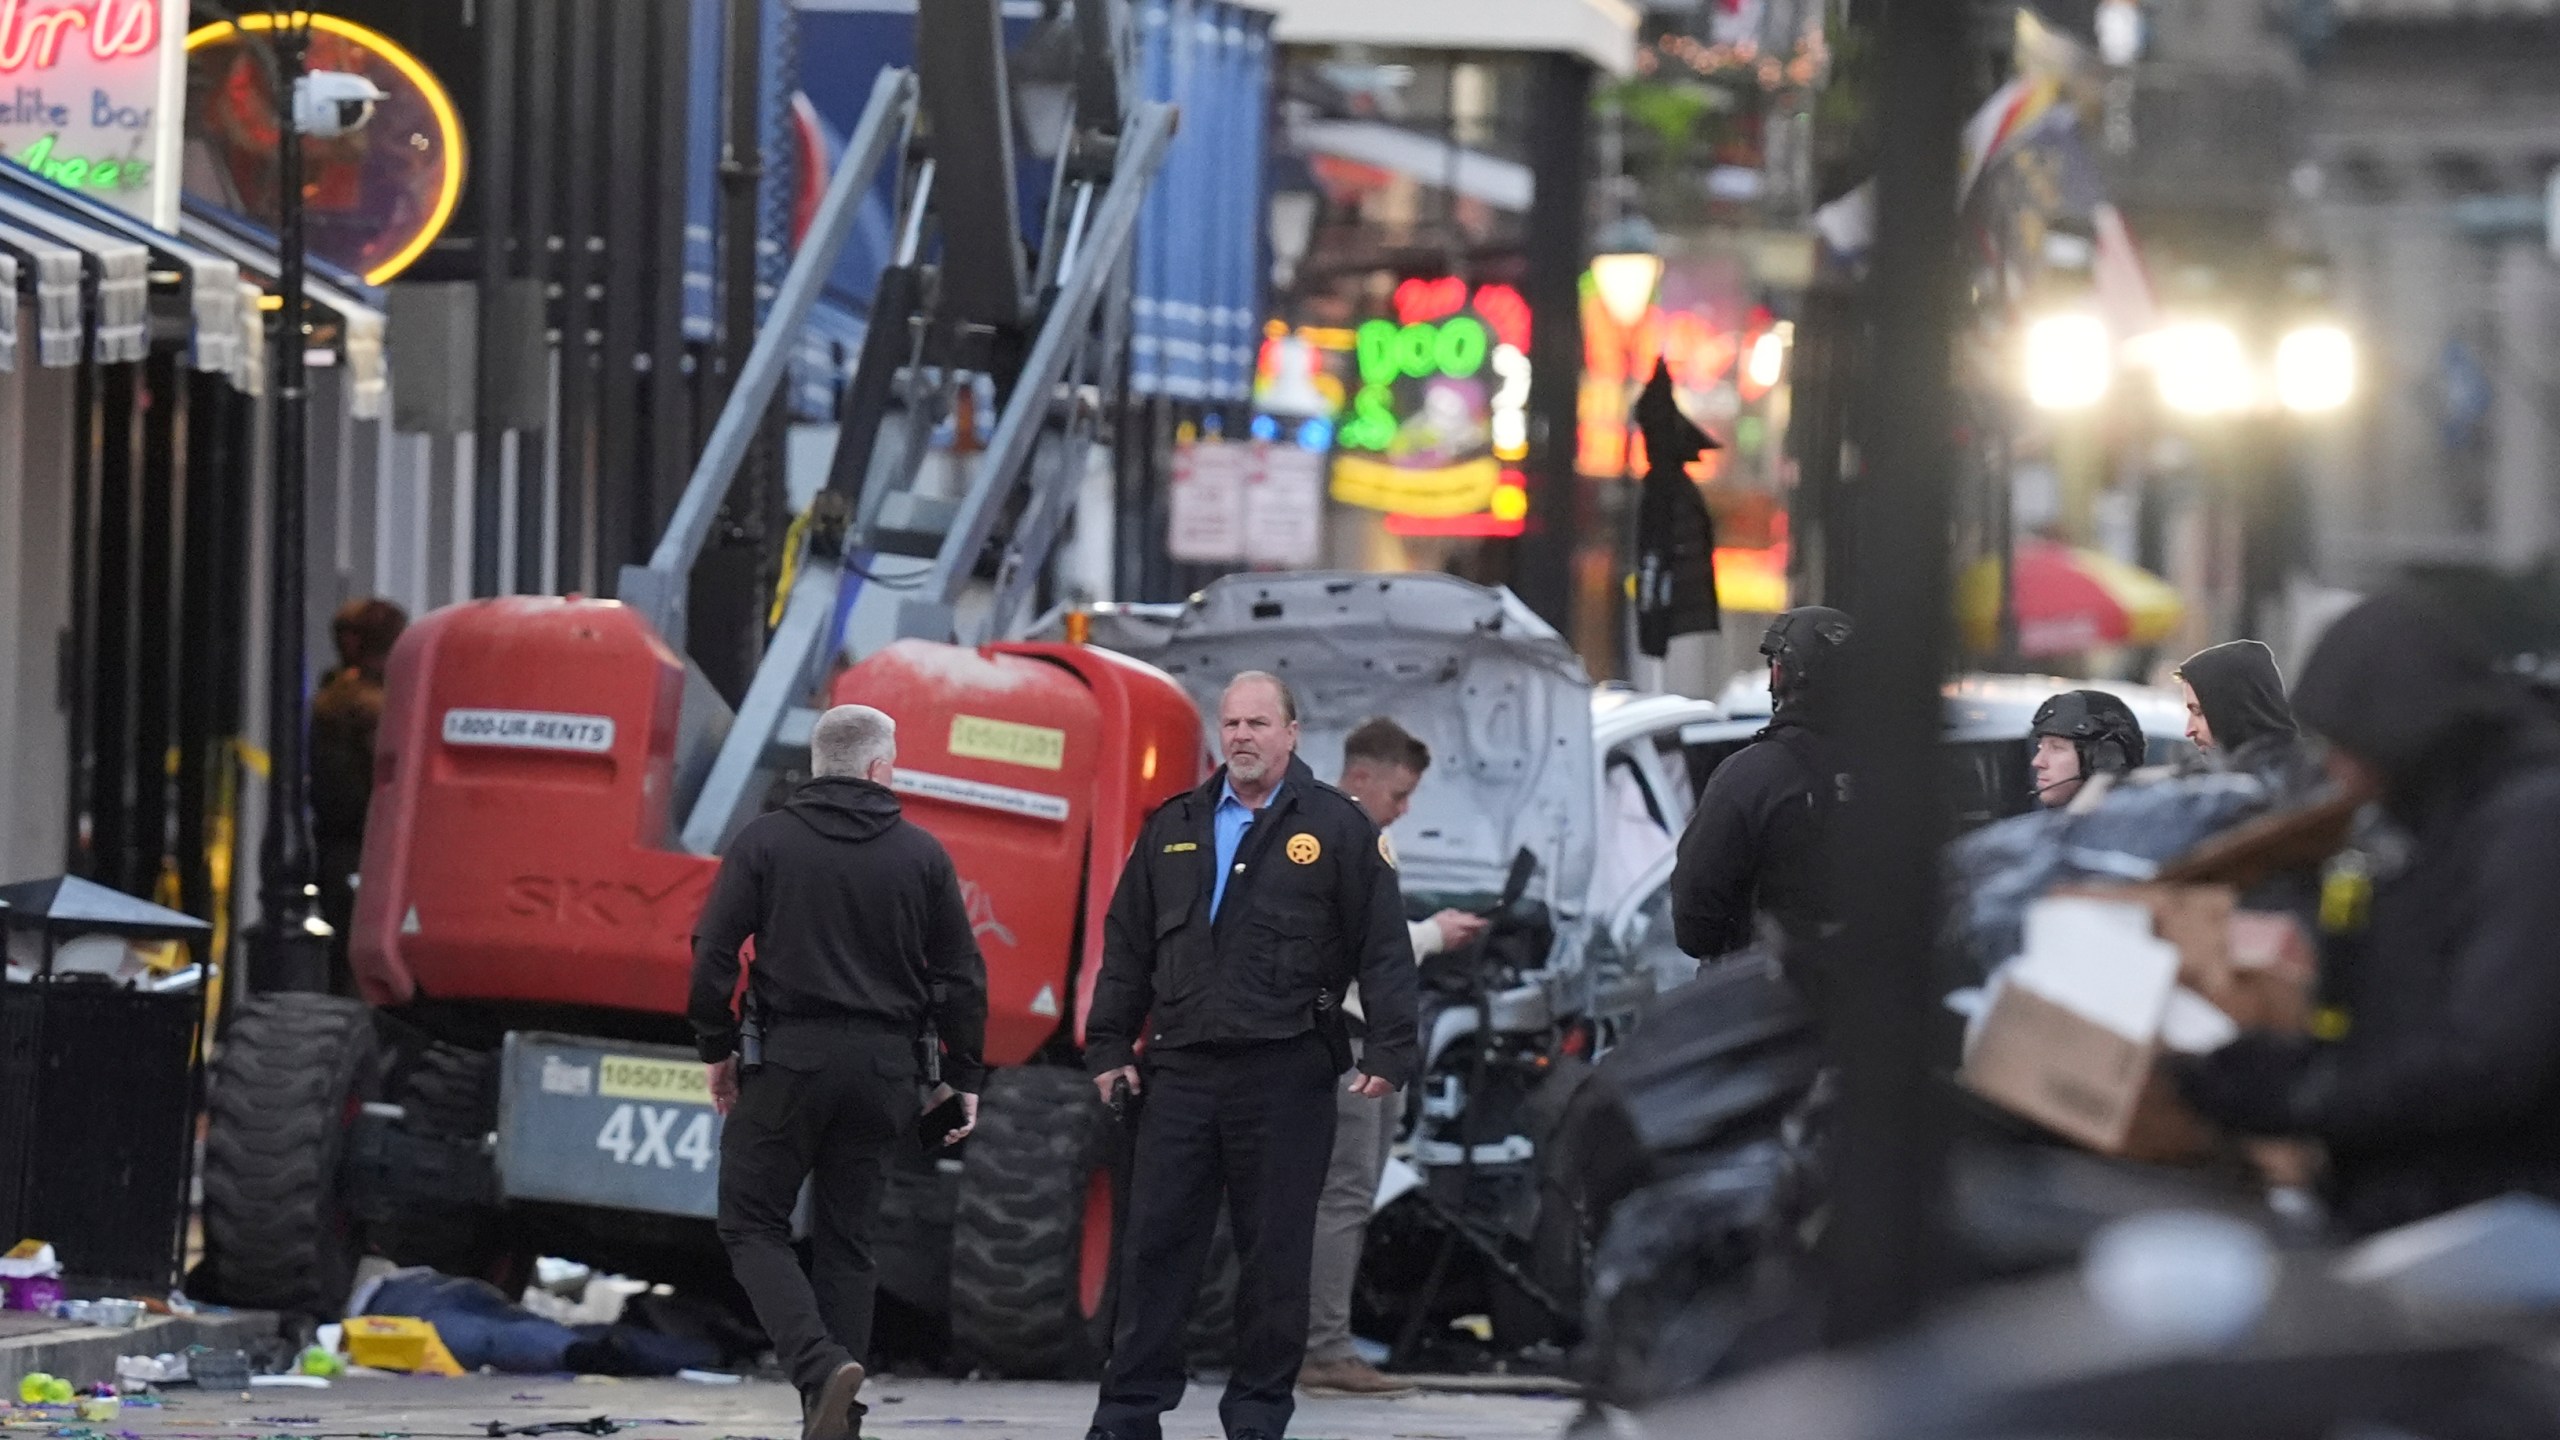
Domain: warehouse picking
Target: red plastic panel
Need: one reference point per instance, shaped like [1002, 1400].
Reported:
[515, 849]
[1151, 751]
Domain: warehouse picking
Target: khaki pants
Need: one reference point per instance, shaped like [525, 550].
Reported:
[1364, 1130]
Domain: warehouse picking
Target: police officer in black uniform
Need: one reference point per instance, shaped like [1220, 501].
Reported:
[1756, 842]
[1249, 906]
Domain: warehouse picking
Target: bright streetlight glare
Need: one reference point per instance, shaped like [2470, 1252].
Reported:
[1768, 360]
[1626, 281]
[2070, 361]
[2315, 369]
[2201, 369]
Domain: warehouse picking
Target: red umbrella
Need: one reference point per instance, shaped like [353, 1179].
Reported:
[2068, 599]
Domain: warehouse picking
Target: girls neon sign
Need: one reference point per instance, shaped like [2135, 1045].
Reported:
[116, 29]
[90, 94]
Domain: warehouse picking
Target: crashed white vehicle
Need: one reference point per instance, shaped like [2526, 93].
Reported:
[1593, 784]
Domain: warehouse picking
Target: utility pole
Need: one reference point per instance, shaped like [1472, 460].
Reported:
[725, 593]
[1890, 1178]
[289, 949]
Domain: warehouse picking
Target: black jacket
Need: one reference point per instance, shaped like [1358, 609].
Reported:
[1311, 906]
[2446, 1088]
[856, 915]
[1756, 842]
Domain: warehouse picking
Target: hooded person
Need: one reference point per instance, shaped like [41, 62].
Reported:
[2237, 713]
[2445, 1089]
[1755, 844]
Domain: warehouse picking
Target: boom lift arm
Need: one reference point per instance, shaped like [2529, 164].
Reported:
[901, 532]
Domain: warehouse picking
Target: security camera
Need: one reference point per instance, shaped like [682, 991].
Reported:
[331, 103]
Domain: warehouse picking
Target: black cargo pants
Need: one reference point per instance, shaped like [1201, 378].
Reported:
[831, 1100]
[1253, 1123]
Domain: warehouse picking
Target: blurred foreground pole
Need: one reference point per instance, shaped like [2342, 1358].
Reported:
[1888, 1178]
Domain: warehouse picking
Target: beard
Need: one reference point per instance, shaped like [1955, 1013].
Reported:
[1249, 768]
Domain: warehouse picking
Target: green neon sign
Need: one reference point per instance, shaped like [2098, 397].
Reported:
[1456, 347]
[81, 172]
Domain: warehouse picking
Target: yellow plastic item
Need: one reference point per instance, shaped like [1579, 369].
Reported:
[399, 1342]
[34, 1387]
[97, 1409]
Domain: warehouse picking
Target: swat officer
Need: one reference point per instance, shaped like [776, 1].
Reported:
[861, 938]
[2079, 735]
[1756, 842]
[1249, 906]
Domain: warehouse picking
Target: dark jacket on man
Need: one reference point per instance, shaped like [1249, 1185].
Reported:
[857, 916]
[1756, 841]
[2446, 1088]
[1312, 906]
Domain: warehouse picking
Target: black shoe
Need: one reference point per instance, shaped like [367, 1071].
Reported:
[1252, 1435]
[833, 1413]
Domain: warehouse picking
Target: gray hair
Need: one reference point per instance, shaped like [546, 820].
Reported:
[847, 739]
[1288, 697]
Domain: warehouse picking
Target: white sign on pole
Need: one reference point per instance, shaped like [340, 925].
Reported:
[1284, 508]
[93, 97]
[1205, 523]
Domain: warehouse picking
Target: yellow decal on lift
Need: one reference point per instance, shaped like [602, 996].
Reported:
[630, 1077]
[975, 737]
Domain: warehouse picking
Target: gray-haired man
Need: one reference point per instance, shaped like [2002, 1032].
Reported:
[861, 937]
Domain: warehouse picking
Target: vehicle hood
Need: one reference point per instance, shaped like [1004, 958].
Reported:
[1496, 693]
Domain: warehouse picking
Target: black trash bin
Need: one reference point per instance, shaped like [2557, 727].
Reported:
[99, 1085]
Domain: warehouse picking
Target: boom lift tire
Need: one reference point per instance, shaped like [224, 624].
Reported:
[1031, 1240]
[292, 1078]
[445, 1218]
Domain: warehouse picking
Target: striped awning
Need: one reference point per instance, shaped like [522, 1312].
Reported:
[1197, 313]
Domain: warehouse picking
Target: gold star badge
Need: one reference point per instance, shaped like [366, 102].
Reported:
[1304, 848]
[1387, 851]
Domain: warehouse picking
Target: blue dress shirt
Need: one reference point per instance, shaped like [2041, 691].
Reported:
[1227, 829]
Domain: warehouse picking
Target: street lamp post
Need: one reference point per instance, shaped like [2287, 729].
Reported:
[1626, 270]
[289, 948]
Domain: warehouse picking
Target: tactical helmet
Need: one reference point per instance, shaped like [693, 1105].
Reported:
[2100, 726]
[1801, 646]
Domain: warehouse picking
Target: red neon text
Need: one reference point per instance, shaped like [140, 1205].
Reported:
[117, 28]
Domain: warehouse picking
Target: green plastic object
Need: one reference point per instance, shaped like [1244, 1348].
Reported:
[317, 1361]
[42, 1389]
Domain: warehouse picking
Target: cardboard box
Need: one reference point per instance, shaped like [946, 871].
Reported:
[2073, 1033]
[2257, 967]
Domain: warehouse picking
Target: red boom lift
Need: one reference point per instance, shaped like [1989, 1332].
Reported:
[555, 780]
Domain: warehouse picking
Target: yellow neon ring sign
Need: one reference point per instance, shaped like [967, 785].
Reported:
[439, 104]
